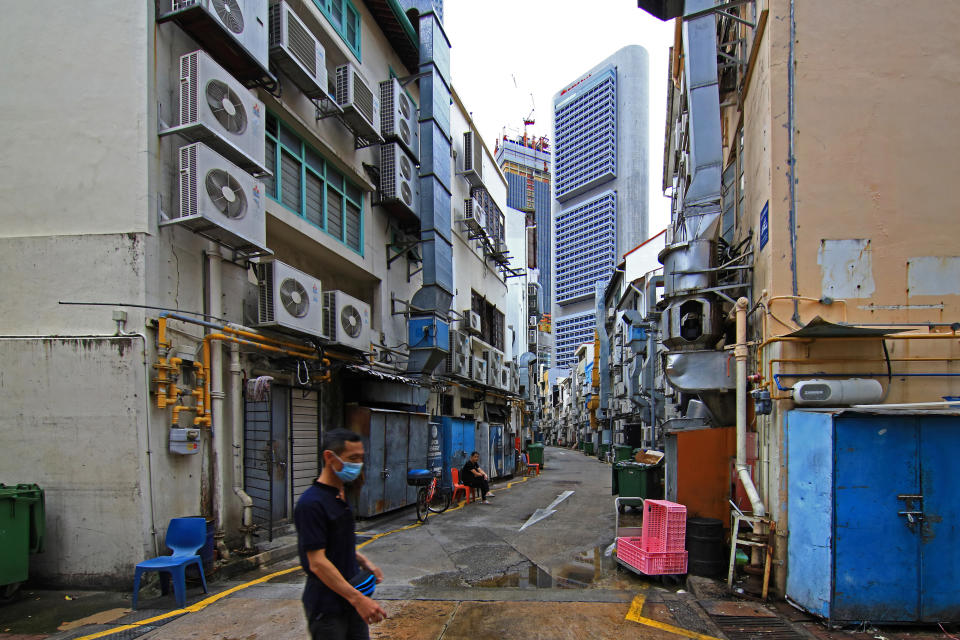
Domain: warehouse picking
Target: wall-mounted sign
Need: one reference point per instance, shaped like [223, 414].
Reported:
[765, 224]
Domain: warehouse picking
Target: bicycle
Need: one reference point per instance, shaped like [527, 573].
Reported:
[430, 495]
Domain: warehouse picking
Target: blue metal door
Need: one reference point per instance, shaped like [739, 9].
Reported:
[457, 443]
[876, 556]
[939, 529]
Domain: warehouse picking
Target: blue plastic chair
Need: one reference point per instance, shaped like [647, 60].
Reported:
[185, 536]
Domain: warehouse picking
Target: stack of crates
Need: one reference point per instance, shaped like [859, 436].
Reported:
[660, 548]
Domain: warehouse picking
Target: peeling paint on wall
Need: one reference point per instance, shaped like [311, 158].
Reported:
[933, 276]
[846, 268]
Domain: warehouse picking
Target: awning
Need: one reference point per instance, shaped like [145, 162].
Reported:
[820, 328]
[381, 375]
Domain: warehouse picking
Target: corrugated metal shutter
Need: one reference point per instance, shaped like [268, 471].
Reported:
[305, 439]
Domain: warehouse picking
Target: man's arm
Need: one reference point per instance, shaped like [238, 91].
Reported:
[329, 575]
[364, 561]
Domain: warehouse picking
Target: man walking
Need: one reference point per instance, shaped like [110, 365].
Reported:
[473, 476]
[326, 540]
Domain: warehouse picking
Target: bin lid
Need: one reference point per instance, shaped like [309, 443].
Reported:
[535, 445]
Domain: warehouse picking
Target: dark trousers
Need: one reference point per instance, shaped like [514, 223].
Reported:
[338, 626]
[479, 482]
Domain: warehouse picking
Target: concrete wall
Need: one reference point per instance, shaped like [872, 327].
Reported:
[875, 140]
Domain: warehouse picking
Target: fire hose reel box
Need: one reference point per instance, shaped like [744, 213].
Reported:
[185, 442]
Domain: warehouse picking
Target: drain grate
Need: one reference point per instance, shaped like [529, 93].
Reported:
[756, 628]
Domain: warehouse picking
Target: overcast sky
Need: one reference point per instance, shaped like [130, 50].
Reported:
[504, 51]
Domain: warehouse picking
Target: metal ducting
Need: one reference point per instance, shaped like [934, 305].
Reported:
[428, 327]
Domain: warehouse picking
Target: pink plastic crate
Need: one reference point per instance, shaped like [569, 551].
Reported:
[664, 526]
[650, 562]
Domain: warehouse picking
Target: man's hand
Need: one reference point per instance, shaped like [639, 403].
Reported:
[364, 561]
[369, 610]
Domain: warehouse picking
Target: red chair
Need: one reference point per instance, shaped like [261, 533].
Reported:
[468, 492]
[529, 468]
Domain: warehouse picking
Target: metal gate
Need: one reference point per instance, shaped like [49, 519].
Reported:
[281, 452]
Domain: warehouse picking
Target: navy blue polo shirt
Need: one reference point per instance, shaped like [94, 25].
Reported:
[324, 521]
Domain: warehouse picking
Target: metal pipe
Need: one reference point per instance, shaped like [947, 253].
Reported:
[236, 400]
[214, 365]
[741, 352]
[792, 159]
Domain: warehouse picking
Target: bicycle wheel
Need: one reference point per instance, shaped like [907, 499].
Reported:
[440, 501]
[422, 512]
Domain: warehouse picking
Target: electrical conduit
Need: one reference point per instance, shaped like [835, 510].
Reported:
[236, 400]
[213, 359]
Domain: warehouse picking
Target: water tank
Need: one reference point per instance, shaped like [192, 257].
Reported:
[837, 393]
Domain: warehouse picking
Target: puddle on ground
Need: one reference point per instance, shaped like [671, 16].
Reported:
[589, 569]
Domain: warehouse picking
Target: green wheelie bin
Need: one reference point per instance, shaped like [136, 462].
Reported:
[602, 452]
[622, 452]
[535, 454]
[22, 531]
[588, 448]
[636, 480]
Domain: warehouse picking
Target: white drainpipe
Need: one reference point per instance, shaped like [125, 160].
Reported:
[236, 399]
[218, 432]
[740, 352]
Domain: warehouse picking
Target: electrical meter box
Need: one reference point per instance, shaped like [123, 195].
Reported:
[185, 442]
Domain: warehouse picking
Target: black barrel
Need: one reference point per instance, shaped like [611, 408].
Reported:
[707, 555]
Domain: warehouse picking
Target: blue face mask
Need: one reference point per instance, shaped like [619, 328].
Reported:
[351, 470]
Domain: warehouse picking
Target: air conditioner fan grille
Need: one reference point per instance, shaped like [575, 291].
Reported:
[293, 297]
[230, 14]
[226, 193]
[226, 107]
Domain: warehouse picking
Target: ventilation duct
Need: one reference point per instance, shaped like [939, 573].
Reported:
[428, 327]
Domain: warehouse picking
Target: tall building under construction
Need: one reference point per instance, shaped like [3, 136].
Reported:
[526, 163]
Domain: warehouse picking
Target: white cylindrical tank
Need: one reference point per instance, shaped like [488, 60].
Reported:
[837, 393]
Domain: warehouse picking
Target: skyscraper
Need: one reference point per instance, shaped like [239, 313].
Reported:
[600, 187]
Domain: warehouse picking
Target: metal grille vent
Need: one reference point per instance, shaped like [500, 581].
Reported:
[188, 181]
[388, 171]
[468, 151]
[362, 97]
[183, 4]
[406, 168]
[343, 85]
[266, 311]
[226, 193]
[276, 28]
[188, 88]
[405, 109]
[302, 45]
[404, 130]
[294, 298]
[329, 313]
[230, 14]
[226, 107]
[388, 114]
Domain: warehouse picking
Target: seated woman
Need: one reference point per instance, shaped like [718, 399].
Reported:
[473, 476]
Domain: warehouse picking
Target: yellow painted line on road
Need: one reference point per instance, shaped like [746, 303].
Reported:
[635, 614]
[206, 602]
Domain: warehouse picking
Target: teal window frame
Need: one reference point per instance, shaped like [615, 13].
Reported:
[282, 142]
[344, 17]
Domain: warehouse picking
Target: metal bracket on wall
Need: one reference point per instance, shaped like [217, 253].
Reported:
[407, 307]
[405, 249]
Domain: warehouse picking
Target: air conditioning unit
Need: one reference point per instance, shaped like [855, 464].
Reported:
[346, 320]
[217, 110]
[474, 217]
[494, 365]
[532, 336]
[234, 31]
[478, 370]
[471, 166]
[398, 180]
[289, 299]
[514, 377]
[504, 382]
[361, 106]
[534, 321]
[296, 52]
[458, 360]
[219, 200]
[470, 322]
[398, 117]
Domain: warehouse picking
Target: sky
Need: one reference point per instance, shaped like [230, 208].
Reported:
[509, 57]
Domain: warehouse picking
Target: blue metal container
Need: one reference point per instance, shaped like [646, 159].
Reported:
[457, 442]
[874, 515]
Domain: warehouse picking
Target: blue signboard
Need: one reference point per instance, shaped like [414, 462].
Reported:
[765, 224]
